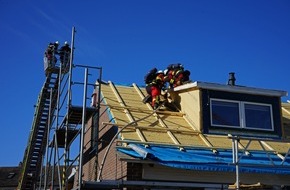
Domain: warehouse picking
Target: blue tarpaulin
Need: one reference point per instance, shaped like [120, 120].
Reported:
[206, 160]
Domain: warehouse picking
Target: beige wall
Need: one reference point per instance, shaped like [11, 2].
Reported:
[158, 172]
[189, 102]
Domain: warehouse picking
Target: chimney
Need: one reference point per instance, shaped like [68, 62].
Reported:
[232, 79]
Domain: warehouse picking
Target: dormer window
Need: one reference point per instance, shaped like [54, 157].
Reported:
[241, 114]
[230, 109]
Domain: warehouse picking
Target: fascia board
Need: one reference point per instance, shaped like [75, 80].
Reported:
[230, 88]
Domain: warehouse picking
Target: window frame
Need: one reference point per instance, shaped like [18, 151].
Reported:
[242, 114]
[259, 104]
[228, 101]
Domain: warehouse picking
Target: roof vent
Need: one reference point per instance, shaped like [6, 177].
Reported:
[232, 79]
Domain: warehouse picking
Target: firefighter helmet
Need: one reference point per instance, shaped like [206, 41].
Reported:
[165, 71]
[160, 72]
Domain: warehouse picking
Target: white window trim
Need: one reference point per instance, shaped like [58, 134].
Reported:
[261, 104]
[242, 115]
[223, 100]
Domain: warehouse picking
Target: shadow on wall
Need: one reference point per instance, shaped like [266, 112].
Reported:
[174, 104]
[104, 141]
[107, 137]
[286, 126]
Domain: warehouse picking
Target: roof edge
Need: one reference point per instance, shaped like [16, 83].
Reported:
[230, 88]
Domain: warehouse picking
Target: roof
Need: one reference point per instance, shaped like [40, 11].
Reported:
[171, 130]
[9, 176]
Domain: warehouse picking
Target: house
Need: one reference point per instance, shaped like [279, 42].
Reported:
[209, 136]
[9, 177]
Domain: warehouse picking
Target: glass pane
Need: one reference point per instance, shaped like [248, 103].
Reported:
[225, 113]
[258, 116]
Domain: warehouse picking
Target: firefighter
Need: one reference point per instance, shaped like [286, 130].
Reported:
[181, 77]
[154, 89]
[168, 77]
[64, 56]
[175, 75]
[49, 57]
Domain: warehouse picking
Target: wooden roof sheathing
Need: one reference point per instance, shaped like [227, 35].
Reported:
[190, 140]
[169, 128]
[279, 147]
[220, 141]
[133, 103]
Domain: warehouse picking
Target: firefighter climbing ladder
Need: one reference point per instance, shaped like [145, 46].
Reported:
[59, 126]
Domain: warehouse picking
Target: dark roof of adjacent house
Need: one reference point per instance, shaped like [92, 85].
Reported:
[172, 140]
[9, 176]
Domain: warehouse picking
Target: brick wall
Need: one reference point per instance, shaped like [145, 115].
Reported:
[113, 168]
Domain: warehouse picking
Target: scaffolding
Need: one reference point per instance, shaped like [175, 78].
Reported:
[55, 145]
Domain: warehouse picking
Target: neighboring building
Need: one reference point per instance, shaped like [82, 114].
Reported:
[9, 177]
[192, 142]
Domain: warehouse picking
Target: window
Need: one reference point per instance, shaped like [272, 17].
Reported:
[257, 115]
[225, 113]
[240, 114]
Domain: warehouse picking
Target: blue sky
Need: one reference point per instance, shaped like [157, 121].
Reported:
[127, 38]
